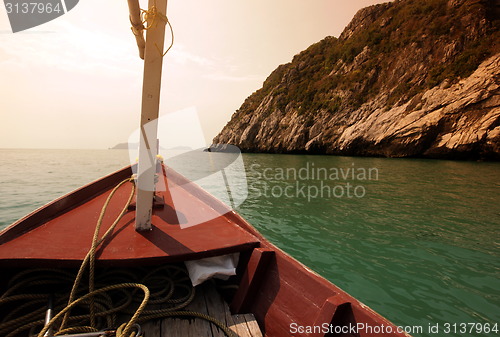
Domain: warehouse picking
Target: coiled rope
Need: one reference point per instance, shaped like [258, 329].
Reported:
[109, 295]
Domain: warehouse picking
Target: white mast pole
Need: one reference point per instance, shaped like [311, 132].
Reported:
[153, 60]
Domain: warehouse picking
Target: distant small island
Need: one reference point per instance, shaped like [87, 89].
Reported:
[125, 146]
[135, 146]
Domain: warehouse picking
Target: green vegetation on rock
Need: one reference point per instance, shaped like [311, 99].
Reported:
[388, 56]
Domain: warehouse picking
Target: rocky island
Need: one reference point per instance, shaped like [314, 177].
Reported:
[410, 78]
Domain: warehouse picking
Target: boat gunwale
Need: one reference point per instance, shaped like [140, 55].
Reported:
[81, 195]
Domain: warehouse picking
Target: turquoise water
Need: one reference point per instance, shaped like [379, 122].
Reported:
[421, 246]
[416, 240]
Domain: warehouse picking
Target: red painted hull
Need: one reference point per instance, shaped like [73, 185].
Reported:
[286, 297]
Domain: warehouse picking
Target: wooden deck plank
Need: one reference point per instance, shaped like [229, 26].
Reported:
[199, 327]
[152, 328]
[176, 327]
[207, 301]
[240, 325]
[253, 326]
[216, 308]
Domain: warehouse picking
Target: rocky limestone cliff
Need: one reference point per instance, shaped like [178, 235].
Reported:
[411, 78]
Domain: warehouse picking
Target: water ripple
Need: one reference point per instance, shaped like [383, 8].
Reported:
[422, 246]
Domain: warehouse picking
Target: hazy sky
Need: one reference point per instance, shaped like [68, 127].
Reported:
[76, 82]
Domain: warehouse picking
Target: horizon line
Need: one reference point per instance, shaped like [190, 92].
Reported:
[56, 148]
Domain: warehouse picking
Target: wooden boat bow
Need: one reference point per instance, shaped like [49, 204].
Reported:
[59, 234]
[280, 292]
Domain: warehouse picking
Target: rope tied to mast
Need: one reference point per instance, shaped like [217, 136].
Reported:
[148, 19]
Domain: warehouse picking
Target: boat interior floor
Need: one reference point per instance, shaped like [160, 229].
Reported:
[210, 302]
[110, 297]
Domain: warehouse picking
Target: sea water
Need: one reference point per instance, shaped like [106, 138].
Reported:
[416, 240]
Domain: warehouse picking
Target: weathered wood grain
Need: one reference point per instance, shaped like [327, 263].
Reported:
[207, 301]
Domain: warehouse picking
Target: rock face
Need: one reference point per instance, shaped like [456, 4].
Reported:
[411, 78]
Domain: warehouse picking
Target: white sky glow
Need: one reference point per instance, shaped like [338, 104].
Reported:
[76, 82]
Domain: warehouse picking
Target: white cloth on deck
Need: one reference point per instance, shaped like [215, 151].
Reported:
[220, 267]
